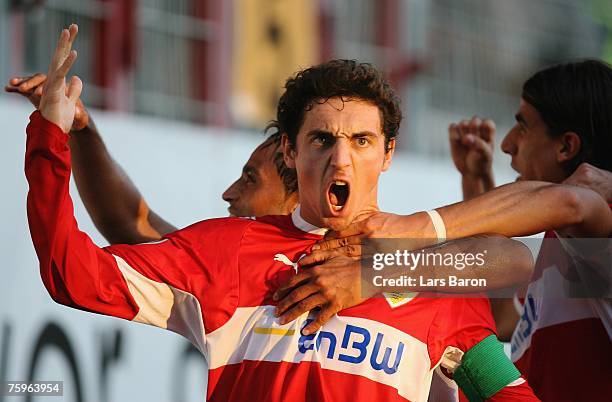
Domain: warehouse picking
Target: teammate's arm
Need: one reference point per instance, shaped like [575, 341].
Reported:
[114, 203]
[512, 210]
[525, 208]
[340, 279]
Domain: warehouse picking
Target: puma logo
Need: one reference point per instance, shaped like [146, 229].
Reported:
[285, 260]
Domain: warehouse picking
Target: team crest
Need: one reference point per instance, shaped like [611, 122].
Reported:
[396, 299]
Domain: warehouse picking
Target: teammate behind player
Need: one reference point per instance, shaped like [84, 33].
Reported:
[265, 187]
[212, 281]
[563, 133]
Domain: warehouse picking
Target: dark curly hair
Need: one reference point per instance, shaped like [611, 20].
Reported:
[347, 79]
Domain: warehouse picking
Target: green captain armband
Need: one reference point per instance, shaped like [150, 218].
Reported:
[485, 370]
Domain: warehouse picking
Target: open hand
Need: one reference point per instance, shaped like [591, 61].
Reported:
[58, 100]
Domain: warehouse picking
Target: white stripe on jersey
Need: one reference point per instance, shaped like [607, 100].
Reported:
[165, 306]
[351, 345]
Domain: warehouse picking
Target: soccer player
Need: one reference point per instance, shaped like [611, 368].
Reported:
[562, 135]
[212, 282]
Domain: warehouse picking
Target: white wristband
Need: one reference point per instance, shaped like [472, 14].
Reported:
[438, 224]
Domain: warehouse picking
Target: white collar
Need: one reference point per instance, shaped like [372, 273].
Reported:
[300, 223]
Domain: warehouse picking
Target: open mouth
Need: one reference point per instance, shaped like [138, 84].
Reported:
[338, 194]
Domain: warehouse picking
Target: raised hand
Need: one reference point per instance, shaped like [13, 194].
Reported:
[58, 100]
[31, 87]
[472, 143]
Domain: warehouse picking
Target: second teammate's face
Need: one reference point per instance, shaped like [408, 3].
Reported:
[535, 154]
[339, 155]
[259, 191]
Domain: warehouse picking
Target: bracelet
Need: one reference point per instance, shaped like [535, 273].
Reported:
[438, 224]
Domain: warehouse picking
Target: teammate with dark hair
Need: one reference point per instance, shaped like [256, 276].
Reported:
[212, 282]
[564, 132]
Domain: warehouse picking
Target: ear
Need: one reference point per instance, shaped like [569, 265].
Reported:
[288, 152]
[570, 145]
[389, 155]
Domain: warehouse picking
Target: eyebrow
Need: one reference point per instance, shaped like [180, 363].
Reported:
[519, 117]
[325, 132]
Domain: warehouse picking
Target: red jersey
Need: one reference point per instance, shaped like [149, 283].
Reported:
[212, 283]
[562, 343]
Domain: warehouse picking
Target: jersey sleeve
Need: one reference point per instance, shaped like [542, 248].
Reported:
[177, 283]
[463, 341]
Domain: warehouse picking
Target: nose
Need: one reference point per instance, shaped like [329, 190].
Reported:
[232, 192]
[508, 144]
[341, 154]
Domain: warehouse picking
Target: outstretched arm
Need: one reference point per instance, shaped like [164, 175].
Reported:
[517, 209]
[526, 208]
[149, 283]
[112, 200]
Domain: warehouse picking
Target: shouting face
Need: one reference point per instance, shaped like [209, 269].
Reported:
[339, 154]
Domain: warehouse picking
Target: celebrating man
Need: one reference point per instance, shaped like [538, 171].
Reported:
[212, 282]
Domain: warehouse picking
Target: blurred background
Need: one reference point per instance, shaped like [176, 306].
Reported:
[181, 90]
[223, 63]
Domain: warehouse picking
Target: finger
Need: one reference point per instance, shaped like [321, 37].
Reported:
[62, 50]
[74, 89]
[474, 125]
[335, 243]
[32, 82]
[73, 30]
[487, 130]
[463, 127]
[60, 53]
[296, 296]
[354, 229]
[56, 79]
[17, 80]
[10, 88]
[62, 71]
[312, 302]
[294, 281]
[481, 146]
[317, 257]
[323, 316]
[38, 91]
[453, 133]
